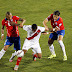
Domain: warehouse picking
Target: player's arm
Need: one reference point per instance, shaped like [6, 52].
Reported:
[45, 33]
[52, 30]
[22, 22]
[20, 25]
[2, 32]
[13, 23]
[44, 23]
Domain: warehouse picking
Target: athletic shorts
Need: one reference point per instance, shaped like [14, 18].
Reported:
[54, 36]
[11, 40]
[28, 44]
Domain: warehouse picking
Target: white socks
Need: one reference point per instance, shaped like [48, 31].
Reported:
[14, 54]
[62, 46]
[2, 52]
[51, 47]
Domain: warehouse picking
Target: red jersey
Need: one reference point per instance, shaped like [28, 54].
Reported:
[12, 31]
[58, 23]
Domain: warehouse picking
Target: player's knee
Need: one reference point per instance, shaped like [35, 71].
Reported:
[5, 47]
[24, 51]
[50, 42]
[39, 56]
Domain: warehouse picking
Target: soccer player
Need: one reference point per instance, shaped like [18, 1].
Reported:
[32, 41]
[12, 33]
[59, 32]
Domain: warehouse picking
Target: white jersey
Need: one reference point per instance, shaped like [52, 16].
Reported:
[33, 36]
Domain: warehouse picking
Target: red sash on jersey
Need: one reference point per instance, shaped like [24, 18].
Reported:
[34, 35]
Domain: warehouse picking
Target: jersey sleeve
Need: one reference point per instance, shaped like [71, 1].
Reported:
[42, 29]
[26, 27]
[49, 17]
[3, 23]
[16, 17]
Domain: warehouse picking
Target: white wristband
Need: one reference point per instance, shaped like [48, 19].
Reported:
[2, 34]
[53, 29]
[47, 32]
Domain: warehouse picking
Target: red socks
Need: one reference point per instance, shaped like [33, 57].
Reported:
[35, 55]
[18, 60]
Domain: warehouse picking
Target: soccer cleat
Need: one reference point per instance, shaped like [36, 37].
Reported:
[65, 58]
[52, 56]
[12, 57]
[16, 67]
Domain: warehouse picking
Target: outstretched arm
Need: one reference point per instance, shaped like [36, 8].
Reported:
[44, 23]
[45, 33]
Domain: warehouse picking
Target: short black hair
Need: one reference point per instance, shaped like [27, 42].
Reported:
[8, 13]
[56, 13]
[34, 27]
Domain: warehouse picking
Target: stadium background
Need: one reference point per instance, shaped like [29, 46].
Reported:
[35, 11]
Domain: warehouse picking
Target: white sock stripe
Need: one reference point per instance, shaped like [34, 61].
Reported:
[52, 49]
[61, 43]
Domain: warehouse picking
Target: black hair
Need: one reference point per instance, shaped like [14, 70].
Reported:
[8, 13]
[34, 27]
[56, 13]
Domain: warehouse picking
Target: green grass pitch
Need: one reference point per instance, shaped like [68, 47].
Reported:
[35, 11]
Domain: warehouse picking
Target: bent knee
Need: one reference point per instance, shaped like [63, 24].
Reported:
[50, 41]
[5, 47]
[39, 55]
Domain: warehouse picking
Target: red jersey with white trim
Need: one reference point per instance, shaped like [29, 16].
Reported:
[58, 23]
[12, 31]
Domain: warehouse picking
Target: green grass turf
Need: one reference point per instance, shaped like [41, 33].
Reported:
[35, 11]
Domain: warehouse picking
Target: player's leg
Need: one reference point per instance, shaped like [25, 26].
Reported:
[6, 45]
[60, 38]
[52, 37]
[25, 48]
[37, 48]
[34, 54]
[51, 47]
[17, 46]
[18, 61]
[2, 52]
[39, 55]
[12, 57]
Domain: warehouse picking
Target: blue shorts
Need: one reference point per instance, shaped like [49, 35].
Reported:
[11, 40]
[55, 35]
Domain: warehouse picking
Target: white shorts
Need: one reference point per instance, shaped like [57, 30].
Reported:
[28, 44]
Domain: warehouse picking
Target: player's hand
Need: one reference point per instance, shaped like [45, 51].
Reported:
[2, 37]
[57, 29]
[46, 28]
